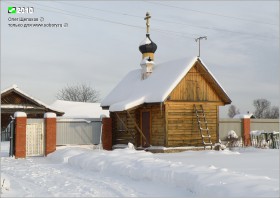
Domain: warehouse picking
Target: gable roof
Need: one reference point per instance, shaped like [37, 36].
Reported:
[132, 91]
[80, 109]
[30, 102]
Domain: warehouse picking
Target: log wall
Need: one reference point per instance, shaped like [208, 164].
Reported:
[122, 134]
[157, 111]
[175, 123]
[125, 132]
[181, 123]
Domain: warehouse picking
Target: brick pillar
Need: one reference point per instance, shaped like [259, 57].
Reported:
[107, 133]
[20, 134]
[50, 127]
[246, 131]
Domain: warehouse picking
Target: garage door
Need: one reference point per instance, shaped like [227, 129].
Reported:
[35, 139]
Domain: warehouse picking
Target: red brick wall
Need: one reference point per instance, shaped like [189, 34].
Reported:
[50, 126]
[107, 133]
[246, 131]
[20, 137]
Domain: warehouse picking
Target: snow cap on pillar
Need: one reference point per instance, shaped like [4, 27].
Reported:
[19, 114]
[49, 115]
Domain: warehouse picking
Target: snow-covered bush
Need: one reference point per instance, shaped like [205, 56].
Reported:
[233, 139]
[232, 135]
[130, 146]
[219, 146]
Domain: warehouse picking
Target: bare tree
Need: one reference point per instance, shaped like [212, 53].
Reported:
[232, 111]
[78, 93]
[273, 113]
[262, 108]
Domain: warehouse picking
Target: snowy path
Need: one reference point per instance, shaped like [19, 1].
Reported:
[54, 177]
[60, 180]
[81, 172]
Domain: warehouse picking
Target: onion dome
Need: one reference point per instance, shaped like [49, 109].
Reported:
[147, 45]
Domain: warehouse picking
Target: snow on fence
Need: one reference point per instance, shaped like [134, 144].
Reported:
[227, 124]
[264, 139]
[78, 131]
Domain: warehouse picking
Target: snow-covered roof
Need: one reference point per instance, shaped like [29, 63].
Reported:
[80, 109]
[250, 115]
[14, 88]
[132, 91]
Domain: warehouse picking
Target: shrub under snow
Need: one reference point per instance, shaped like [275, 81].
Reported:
[233, 140]
[232, 135]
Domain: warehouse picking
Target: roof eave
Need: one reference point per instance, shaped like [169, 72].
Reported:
[23, 94]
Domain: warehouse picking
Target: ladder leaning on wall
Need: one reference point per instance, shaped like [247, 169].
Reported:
[203, 126]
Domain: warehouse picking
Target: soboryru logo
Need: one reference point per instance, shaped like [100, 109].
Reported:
[12, 10]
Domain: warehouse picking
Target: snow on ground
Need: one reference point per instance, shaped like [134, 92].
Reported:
[87, 172]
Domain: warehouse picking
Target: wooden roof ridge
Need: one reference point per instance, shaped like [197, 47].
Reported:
[33, 100]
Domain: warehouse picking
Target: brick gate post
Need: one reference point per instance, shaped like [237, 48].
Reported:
[246, 131]
[20, 134]
[50, 127]
[107, 133]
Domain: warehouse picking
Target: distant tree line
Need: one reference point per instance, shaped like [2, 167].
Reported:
[263, 109]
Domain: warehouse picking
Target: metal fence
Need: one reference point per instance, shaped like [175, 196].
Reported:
[8, 134]
[78, 131]
[261, 139]
[5, 134]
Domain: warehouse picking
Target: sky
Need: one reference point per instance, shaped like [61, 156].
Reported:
[98, 44]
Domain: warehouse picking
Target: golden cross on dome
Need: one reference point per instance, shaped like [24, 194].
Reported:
[148, 16]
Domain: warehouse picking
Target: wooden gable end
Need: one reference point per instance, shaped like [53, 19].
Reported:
[13, 97]
[13, 100]
[197, 85]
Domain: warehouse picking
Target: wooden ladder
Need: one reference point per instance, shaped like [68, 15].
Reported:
[203, 126]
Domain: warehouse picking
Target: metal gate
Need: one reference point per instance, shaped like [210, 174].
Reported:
[35, 137]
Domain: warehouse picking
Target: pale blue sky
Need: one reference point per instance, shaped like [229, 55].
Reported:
[100, 44]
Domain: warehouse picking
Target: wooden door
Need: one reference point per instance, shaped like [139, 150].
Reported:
[146, 127]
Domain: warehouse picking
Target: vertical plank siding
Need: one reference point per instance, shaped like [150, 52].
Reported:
[194, 87]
